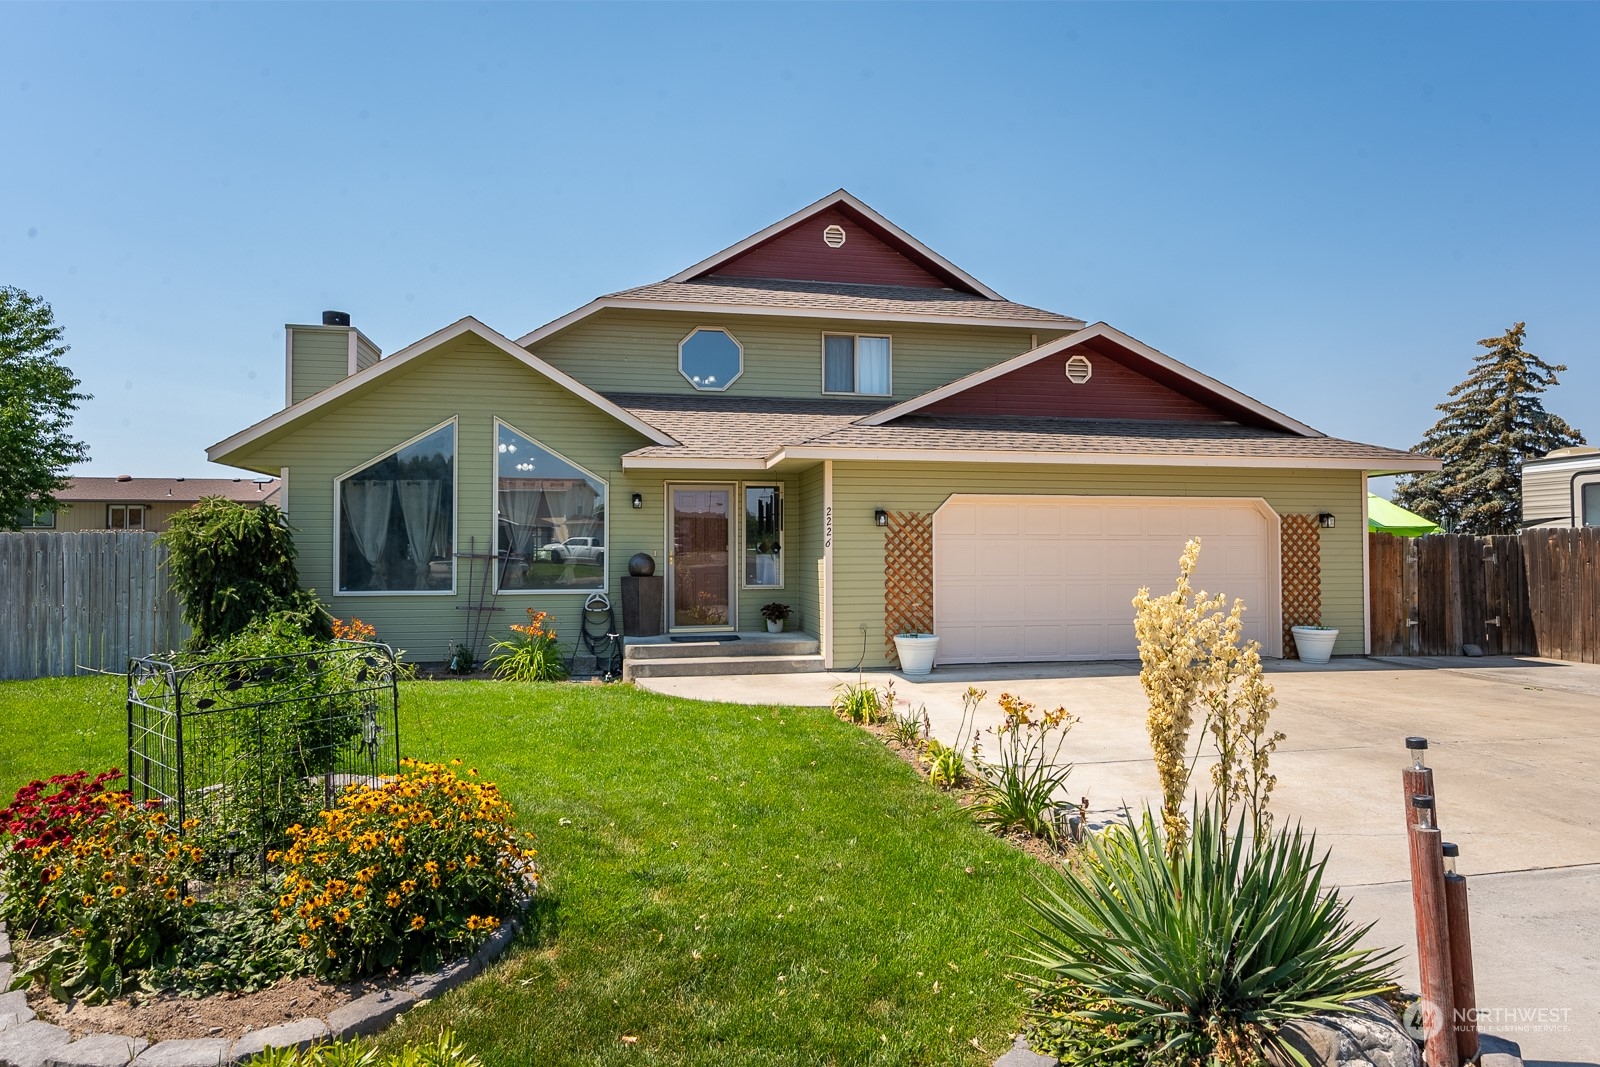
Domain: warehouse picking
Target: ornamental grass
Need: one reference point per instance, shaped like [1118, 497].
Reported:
[404, 871]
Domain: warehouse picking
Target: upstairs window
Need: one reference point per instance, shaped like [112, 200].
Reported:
[551, 515]
[124, 516]
[396, 519]
[855, 364]
[710, 358]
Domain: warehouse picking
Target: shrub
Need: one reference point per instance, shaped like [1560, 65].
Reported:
[399, 872]
[443, 1051]
[861, 703]
[102, 882]
[1201, 956]
[532, 654]
[1018, 792]
[231, 563]
[297, 712]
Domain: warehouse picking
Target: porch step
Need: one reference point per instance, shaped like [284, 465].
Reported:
[709, 666]
[640, 649]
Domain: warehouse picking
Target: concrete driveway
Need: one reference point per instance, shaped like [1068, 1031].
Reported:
[1516, 758]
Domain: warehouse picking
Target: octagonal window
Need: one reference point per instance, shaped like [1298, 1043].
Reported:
[710, 358]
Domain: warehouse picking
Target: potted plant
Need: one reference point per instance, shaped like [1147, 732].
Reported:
[916, 652]
[1315, 643]
[774, 613]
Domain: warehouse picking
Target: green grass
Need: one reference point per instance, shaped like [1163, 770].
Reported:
[732, 885]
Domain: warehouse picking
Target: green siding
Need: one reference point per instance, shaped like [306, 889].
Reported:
[320, 357]
[805, 549]
[622, 350]
[858, 488]
[475, 383]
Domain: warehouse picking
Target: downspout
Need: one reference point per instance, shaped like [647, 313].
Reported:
[827, 564]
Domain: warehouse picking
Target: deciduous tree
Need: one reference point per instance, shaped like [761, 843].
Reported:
[38, 396]
[1492, 422]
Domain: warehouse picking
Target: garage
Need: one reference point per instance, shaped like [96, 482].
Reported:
[1032, 578]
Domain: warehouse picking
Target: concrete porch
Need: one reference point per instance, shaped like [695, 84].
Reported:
[703, 655]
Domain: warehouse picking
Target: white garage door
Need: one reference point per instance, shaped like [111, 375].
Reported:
[1046, 578]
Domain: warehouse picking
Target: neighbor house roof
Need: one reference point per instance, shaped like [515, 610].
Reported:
[176, 490]
[844, 299]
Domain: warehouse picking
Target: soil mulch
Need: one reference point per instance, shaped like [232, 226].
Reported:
[165, 1016]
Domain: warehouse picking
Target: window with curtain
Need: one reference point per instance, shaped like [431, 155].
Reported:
[551, 515]
[397, 519]
[763, 536]
[854, 364]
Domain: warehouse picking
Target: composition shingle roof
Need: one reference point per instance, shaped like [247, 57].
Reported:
[720, 427]
[181, 490]
[842, 297]
[1001, 433]
[738, 427]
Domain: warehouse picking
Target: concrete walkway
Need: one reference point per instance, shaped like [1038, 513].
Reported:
[1516, 758]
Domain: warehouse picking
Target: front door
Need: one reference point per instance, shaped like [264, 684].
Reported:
[700, 586]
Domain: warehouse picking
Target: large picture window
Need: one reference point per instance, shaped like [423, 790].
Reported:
[397, 519]
[551, 515]
[763, 536]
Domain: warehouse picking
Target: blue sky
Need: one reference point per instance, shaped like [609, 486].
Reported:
[1324, 206]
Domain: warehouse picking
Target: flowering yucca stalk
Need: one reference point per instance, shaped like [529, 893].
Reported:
[103, 881]
[1191, 656]
[532, 655]
[401, 871]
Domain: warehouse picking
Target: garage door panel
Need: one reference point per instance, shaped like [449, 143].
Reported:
[1045, 578]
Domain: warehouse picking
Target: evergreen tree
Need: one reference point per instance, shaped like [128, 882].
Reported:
[38, 395]
[1492, 422]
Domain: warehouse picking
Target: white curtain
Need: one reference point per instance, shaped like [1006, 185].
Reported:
[519, 509]
[366, 511]
[872, 365]
[419, 507]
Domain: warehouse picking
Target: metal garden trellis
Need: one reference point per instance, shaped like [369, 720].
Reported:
[250, 746]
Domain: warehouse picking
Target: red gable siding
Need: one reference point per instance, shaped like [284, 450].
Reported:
[1114, 391]
[865, 258]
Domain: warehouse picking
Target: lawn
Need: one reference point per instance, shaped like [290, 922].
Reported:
[728, 885]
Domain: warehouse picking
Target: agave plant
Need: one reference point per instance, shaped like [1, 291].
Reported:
[1200, 957]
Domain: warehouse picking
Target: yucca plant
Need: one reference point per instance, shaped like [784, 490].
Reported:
[1203, 956]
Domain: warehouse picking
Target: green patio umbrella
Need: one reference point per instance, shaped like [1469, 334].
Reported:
[1385, 517]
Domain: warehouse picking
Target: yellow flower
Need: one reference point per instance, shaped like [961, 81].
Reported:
[118, 892]
[107, 876]
[393, 899]
[341, 916]
[88, 901]
[408, 886]
[188, 902]
[418, 922]
[305, 941]
[431, 867]
[170, 895]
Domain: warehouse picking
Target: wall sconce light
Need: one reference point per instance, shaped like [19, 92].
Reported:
[880, 517]
[638, 501]
[1325, 520]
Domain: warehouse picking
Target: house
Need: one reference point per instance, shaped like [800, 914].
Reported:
[128, 503]
[827, 413]
[1562, 489]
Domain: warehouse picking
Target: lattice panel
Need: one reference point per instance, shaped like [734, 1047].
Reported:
[907, 576]
[1302, 577]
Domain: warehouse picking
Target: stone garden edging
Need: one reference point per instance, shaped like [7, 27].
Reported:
[25, 1041]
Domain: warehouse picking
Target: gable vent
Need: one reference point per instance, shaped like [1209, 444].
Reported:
[1079, 370]
[833, 236]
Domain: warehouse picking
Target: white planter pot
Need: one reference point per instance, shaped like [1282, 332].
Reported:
[1315, 645]
[916, 652]
[774, 626]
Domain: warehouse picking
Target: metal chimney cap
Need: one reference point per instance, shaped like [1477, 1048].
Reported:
[336, 318]
[1416, 742]
[1422, 800]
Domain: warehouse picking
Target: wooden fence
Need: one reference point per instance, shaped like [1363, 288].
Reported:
[71, 600]
[1532, 594]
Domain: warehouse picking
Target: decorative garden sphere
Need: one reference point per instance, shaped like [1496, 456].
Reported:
[642, 565]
